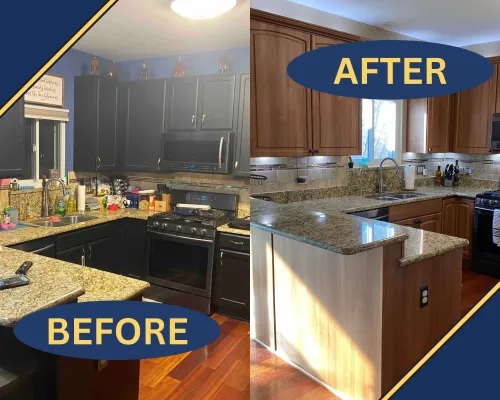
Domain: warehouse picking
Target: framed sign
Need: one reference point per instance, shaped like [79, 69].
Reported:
[48, 91]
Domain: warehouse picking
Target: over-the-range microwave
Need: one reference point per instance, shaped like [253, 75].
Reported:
[210, 152]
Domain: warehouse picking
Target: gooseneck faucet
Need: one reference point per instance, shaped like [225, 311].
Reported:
[45, 200]
[380, 184]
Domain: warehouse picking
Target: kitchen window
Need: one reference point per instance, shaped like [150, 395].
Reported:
[45, 129]
[381, 130]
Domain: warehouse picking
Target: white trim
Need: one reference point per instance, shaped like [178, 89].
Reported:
[62, 149]
[37, 151]
[43, 112]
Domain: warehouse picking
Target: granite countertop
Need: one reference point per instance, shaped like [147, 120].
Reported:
[324, 223]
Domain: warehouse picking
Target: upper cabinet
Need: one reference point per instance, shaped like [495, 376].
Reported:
[183, 104]
[429, 125]
[95, 127]
[474, 111]
[217, 103]
[336, 119]
[289, 119]
[14, 162]
[281, 108]
[144, 122]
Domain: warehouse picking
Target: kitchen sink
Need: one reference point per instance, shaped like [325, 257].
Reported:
[394, 196]
[65, 221]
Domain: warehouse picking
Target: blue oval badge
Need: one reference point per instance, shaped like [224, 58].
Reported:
[116, 330]
[390, 69]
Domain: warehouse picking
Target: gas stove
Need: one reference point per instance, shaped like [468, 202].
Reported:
[191, 221]
[490, 200]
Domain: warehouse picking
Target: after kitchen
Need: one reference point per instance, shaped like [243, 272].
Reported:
[371, 220]
[124, 176]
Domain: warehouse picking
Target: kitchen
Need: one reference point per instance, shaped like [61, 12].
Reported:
[125, 177]
[363, 254]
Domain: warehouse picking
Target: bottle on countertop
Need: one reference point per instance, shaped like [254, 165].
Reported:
[438, 176]
[456, 176]
[60, 208]
[71, 209]
[144, 72]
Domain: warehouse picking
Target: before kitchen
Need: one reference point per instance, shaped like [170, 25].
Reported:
[124, 176]
[371, 220]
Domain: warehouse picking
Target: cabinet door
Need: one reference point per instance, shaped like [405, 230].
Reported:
[242, 149]
[473, 117]
[431, 223]
[465, 223]
[336, 119]
[103, 254]
[14, 162]
[75, 255]
[410, 222]
[232, 287]
[134, 248]
[107, 125]
[217, 103]
[183, 104]
[449, 217]
[145, 123]
[281, 108]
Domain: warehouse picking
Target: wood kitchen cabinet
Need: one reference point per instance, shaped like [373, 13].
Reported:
[242, 145]
[458, 220]
[473, 117]
[281, 108]
[95, 124]
[425, 215]
[336, 119]
[143, 121]
[429, 124]
[431, 222]
[15, 146]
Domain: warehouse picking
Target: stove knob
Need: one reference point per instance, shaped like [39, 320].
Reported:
[193, 231]
[203, 232]
[178, 228]
[164, 225]
[492, 202]
[156, 224]
[484, 201]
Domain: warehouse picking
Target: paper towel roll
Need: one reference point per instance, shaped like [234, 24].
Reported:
[409, 177]
[80, 197]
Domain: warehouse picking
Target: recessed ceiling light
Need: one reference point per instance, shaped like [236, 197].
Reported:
[202, 9]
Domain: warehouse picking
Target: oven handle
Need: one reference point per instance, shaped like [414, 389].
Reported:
[489, 211]
[220, 151]
[191, 239]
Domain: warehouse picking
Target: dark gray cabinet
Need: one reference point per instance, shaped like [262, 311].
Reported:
[102, 254]
[15, 146]
[144, 122]
[74, 255]
[183, 104]
[217, 103]
[134, 248]
[44, 247]
[242, 144]
[95, 123]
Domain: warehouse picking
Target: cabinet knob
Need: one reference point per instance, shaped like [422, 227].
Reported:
[192, 120]
[316, 151]
[430, 149]
[159, 162]
[98, 162]
[203, 118]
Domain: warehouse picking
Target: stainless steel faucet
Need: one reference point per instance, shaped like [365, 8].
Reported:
[45, 200]
[380, 183]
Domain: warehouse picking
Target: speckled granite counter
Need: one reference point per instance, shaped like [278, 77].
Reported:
[324, 223]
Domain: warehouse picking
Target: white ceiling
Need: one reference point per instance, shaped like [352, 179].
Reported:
[135, 29]
[454, 22]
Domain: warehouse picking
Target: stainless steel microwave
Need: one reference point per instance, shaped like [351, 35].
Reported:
[209, 152]
[495, 133]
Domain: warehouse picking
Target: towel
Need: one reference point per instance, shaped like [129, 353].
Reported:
[496, 227]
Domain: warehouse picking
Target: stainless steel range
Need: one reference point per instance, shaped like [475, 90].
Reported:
[181, 247]
[485, 254]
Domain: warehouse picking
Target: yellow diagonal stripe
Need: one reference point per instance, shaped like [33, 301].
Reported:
[58, 55]
[442, 342]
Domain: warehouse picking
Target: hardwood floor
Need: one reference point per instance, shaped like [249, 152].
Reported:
[233, 367]
[218, 371]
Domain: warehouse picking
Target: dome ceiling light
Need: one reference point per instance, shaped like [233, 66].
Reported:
[202, 9]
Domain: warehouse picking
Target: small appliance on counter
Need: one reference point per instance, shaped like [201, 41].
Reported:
[119, 185]
[181, 248]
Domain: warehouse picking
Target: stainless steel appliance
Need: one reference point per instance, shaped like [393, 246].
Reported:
[485, 253]
[209, 152]
[181, 248]
[495, 133]
[380, 214]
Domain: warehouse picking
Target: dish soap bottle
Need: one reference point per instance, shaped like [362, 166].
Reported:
[60, 206]
[438, 175]
[71, 209]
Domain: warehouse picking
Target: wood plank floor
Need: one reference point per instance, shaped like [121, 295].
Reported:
[222, 370]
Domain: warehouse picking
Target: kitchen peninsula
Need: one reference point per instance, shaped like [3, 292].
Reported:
[353, 302]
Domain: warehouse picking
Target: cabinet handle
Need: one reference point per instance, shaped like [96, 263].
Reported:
[98, 162]
[159, 161]
[220, 151]
[83, 257]
[237, 243]
[236, 165]
[430, 149]
[90, 252]
[192, 120]
[316, 151]
[221, 256]
[203, 118]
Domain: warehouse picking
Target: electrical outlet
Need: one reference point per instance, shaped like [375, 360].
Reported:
[424, 296]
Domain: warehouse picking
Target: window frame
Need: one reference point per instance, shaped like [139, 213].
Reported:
[399, 135]
[38, 113]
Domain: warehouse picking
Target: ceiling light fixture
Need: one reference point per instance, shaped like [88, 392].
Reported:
[202, 9]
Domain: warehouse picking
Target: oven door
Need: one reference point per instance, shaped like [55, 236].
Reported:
[181, 263]
[483, 235]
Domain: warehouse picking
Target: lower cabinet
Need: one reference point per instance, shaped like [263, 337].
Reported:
[74, 255]
[231, 295]
[458, 220]
[44, 247]
[425, 215]
[133, 253]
